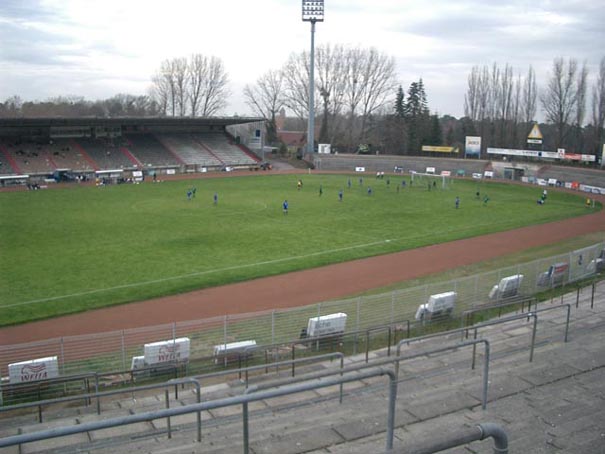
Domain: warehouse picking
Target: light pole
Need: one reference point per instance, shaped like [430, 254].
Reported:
[312, 11]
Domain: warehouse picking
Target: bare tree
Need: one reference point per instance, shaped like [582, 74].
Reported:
[346, 76]
[378, 82]
[164, 85]
[478, 100]
[598, 106]
[502, 89]
[485, 95]
[12, 106]
[296, 79]
[516, 112]
[197, 69]
[201, 85]
[581, 95]
[530, 96]
[472, 101]
[266, 99]
[180, 75]
[559, 100]
[159, 92]
[580, 107]
[354, 62]
[504, 95]
[330, 81]
[215, 89]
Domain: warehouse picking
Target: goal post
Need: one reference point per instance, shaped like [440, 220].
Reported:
[419, 179]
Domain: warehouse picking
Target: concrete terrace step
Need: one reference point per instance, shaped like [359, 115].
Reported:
[435, 392]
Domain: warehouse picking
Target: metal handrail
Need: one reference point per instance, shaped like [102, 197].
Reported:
[97, 395]
[465, 314]
[308, 359]
[469, 435]
[243, 399]
[481, 325]
[39, 383]
[251, 397]
[388, 361]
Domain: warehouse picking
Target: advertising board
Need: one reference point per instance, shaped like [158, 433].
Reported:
[33, 370]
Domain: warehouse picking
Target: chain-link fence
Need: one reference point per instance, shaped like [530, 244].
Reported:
[114, 350]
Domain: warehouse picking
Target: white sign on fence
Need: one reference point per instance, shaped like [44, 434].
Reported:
[327, 324]
[33, 370]
[169, 350]
[324, 148]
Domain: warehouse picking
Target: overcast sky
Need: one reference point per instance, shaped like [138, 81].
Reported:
[97, 49]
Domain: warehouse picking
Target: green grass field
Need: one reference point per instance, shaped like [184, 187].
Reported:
[69, 250]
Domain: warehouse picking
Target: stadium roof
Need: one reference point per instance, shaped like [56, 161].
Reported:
[126, 121]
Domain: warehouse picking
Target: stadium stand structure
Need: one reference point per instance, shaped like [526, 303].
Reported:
[150, 151]
[221, 145]
[552, 402]
[383, 163]
[8, 165]
[28, 157]
[62, 156]
[592, 177]
[105, 153]
[39, 146]
[190, 151]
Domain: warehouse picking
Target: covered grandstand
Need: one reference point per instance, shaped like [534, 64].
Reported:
[81, 147]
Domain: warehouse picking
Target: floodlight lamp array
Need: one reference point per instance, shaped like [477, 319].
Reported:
[312, 10]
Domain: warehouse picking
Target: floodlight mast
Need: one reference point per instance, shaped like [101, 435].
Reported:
[312, 11]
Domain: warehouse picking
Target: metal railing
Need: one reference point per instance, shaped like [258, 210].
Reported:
[98, 395]
[167, 413]
[293, 362]
[468, 435]
[112, 350]
[199, 407]
[308, 382]
[299, 384]
[468, 316]
[464, 331]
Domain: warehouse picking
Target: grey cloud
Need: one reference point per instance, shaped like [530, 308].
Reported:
[24, 44]
[32, 46]
[30, 10]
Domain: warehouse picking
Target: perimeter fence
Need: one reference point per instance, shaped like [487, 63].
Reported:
[111, 351]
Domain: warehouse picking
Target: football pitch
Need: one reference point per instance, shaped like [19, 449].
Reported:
[74, 249]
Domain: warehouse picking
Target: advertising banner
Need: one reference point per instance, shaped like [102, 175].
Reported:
[169, 350]
[526, 153]
[430, 148]
[472, 146]
[34, 370]
[324, 148]
[580, 157]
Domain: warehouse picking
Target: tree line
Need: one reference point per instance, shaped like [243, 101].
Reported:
[501, 107]
[362, 106]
